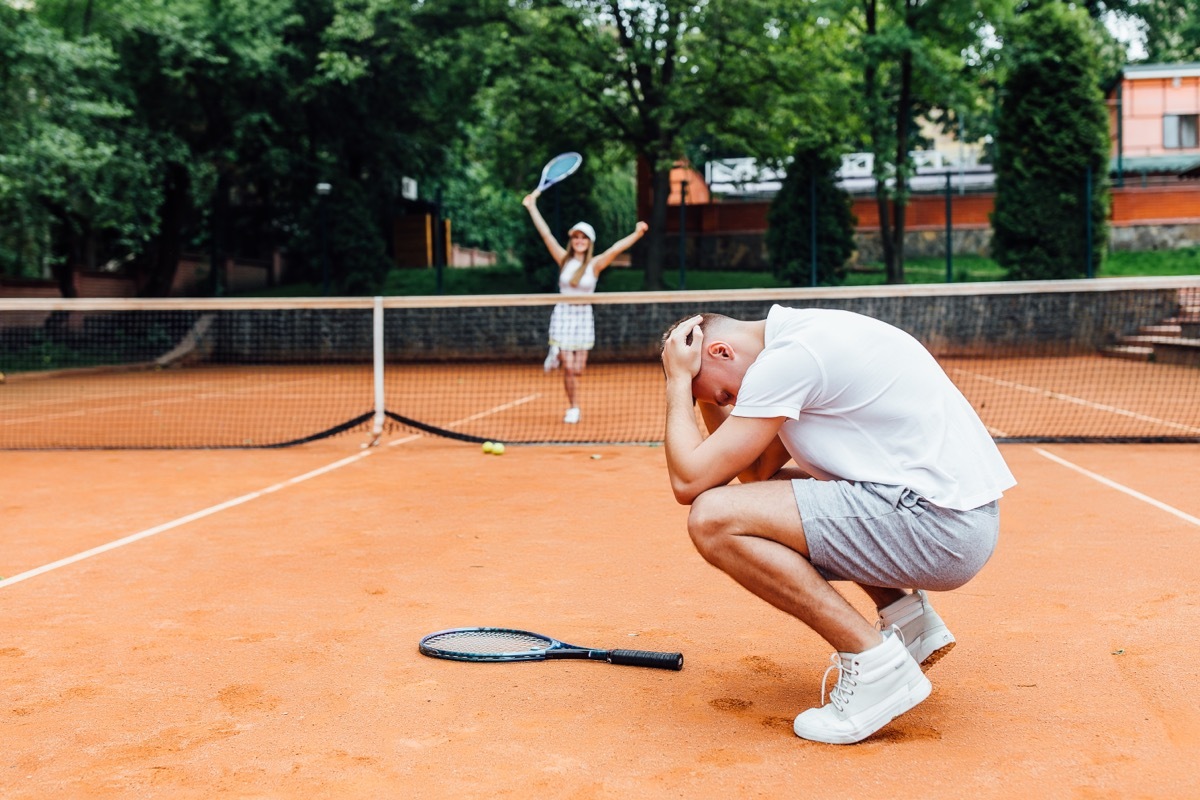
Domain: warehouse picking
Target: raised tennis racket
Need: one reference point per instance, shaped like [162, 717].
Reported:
[508, 644]
[559, 168]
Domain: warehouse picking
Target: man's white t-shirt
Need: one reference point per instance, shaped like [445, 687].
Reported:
[865, 401]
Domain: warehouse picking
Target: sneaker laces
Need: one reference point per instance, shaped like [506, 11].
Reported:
[840, 695]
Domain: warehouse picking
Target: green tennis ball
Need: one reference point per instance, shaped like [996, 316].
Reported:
[498, 448]
[489, 447]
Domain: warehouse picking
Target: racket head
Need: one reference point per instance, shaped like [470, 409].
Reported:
[559, 168]
[488, 644]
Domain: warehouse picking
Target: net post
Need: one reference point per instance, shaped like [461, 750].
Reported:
[377, 369]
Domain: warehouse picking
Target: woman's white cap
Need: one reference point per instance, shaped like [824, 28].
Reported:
[585, 229]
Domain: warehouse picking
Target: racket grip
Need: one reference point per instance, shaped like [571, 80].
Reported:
[646, 658]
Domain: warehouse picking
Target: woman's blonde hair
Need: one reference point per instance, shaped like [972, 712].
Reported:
[567, 256]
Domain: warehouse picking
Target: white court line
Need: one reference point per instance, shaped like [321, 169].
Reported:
[529, 398]
[1114, 485]
[166, 526]
[237, 501]
[495, 410]
[1078, 401]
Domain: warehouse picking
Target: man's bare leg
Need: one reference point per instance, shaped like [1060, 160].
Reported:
[754, 534]
[573, 363]
[883, 596]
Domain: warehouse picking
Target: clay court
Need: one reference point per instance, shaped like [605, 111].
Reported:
[253, 633]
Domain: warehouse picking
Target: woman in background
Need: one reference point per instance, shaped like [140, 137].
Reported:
[572, 327]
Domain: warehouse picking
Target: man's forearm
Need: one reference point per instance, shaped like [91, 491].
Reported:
[682, 434]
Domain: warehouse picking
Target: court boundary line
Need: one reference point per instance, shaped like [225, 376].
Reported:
[237, 501]
[1067, 398]
[181, 521]
[1134, 493]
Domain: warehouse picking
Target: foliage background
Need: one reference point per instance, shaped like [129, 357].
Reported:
[133, 131]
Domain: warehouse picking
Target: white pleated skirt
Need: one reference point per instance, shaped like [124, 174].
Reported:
[572, 327]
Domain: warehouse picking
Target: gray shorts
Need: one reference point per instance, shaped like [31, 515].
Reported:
[881, 535]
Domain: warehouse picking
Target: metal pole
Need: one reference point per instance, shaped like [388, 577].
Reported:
[217, 255]
[439, 241]
[1120, 130]
[683, 234]
[377, 369]
[1087, 212]
[324, 249]
[812, 223]
[949, 232]
[323, 190]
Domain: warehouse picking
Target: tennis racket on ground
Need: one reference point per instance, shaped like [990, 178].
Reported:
[508, 644]
[558, 168]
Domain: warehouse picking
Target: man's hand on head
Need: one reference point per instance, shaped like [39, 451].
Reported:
[682, 350]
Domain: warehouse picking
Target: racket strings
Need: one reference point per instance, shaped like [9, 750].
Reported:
[488, 642]
[559, 170]
[560, 167]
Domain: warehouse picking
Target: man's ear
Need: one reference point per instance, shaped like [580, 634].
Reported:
[719, 350]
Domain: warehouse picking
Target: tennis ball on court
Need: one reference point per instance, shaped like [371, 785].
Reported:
[498, 448]
[489, 447]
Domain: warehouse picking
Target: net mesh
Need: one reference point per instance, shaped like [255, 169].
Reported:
[1105, 360]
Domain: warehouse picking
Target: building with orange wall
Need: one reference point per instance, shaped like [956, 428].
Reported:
[1154, 116]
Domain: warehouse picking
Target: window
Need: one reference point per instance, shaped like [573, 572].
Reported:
[1180, 131]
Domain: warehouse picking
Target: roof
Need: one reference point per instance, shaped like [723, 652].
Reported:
[1142, 72]
[1179, 164]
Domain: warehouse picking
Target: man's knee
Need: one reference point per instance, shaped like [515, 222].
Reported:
[708, 523]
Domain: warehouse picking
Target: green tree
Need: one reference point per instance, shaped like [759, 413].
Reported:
[655, 76]
[516, 131]
[209, 81]
[74, 185]
[392, 87]
[916, 58]
[811, 178]
[1052, 142]
[1171, 28]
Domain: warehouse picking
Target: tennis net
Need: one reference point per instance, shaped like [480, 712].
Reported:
[1099, 360]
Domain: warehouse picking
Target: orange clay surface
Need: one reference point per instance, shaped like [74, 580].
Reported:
[269, 647]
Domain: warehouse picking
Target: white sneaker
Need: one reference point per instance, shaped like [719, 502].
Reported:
[572, 416]
[873, 688]
[551, 361]
[925, 635]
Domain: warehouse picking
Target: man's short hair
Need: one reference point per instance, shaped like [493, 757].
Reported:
[707, 320]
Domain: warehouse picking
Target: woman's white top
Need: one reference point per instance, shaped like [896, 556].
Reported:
[587, 284]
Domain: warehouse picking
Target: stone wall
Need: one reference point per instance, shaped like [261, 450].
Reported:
[949, 325]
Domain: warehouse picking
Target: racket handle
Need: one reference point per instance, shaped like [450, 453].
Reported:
[646, 658]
